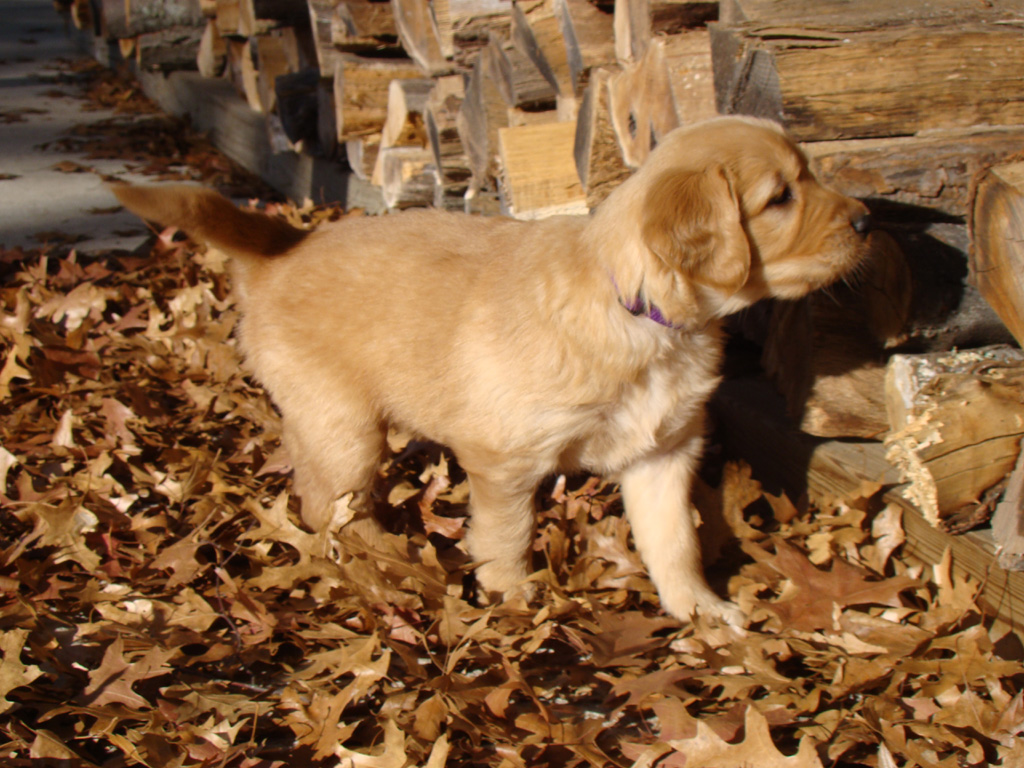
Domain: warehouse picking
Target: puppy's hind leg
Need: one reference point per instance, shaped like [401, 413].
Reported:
[335, 458]
[656, 493]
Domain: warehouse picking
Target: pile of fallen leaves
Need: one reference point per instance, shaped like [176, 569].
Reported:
[162, 605]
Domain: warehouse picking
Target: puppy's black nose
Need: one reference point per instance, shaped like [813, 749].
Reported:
[862, 224]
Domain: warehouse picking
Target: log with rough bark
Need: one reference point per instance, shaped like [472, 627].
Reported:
[936, 170]
[361, 93]
[850, 76]
[957, 421]
[997, 247]
[405, 124]
[862, 12]
[596, 150]
[128, 18]
[213, 50]
[538, 173]
[826, 353]
[419, 35]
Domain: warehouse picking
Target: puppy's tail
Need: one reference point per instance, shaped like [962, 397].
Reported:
[210, 218]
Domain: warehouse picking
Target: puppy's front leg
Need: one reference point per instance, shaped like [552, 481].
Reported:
[501, 529]
[656, 492]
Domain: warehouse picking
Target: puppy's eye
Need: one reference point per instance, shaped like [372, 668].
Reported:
[781, 197]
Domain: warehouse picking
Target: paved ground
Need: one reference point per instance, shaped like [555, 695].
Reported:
[39, 105]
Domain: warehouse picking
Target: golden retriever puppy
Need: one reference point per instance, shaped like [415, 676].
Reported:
[529, 348]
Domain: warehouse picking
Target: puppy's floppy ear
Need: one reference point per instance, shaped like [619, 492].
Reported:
[692, 223]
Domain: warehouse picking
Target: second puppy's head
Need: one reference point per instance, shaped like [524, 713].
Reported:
[730, 213]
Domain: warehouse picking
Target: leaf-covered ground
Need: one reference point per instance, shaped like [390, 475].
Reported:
[161, 604]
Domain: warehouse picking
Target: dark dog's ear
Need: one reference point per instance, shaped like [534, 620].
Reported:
[692, 223]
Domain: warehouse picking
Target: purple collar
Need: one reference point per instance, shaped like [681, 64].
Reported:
[639, 306]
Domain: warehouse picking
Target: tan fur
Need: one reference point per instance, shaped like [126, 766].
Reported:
[507, 341]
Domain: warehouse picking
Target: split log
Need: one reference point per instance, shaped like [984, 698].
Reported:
[418, 33]
[540, 40]
[249, 74]
[228, 17]
[361, 93]
[256, 17]
[538, 173]
[826, 353]
[588, 35]
[366, 27]
[408, 175]
[482, 114]
[1008, 520]
[957, 421]
[361, 155]
[321, 20]
[128, 18]
[936, 170]
[670, 17]
[596, 150]
[450, 158]
[642, 104]
[297, 108]
[733, 12]
[405, 124]
[213, 51]
[326, 128]
[468, 19]
[997, 235]
[168, 49]
[277, 53]
[690, 75]
[637, 22]
[846, 78]
[632, 29]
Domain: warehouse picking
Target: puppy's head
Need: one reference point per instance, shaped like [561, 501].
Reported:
[731, 213]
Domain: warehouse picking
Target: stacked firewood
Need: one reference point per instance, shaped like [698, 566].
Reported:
[919, 110]
[532, 108]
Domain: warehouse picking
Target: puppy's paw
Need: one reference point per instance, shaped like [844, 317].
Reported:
[723, 610]
[706, 604]
[503, 582]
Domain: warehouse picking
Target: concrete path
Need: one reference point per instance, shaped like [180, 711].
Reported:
[40, 103]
